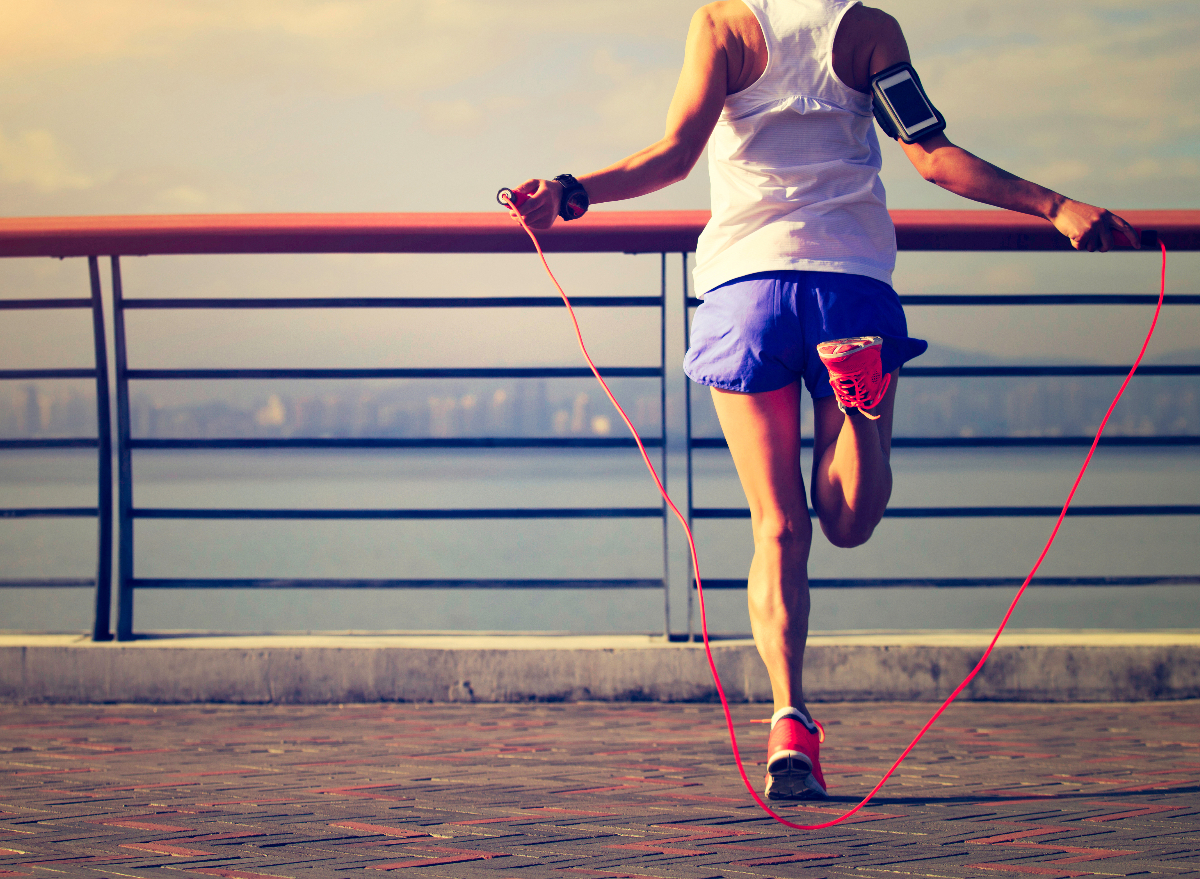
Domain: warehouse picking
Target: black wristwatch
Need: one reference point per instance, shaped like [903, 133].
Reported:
[574, 202]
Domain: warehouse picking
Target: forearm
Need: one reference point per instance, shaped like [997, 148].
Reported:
[965, 174]
[953, 168]
[648, 170]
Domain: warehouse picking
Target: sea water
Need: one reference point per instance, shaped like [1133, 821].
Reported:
[589, 548]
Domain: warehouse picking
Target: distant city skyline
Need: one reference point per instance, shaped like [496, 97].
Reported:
[1045, 406]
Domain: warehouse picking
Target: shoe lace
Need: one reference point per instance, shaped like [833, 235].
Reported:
[855, 387]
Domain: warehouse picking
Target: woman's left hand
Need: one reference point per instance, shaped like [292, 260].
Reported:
[1090, 228]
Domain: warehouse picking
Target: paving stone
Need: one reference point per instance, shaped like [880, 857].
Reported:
[590, 790]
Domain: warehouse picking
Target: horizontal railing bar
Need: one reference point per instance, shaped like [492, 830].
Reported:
[495, 232]
[1083, 370]
[1033, 299]
[399, 302]
[47, 512]
[450, 372]
[986, 512]
[50, 443]
[24, 374]
[463, 513]
[1001, 442]
[251, 583]
[569, 372]
[398, 443]
[1048, 299]
[1018, 511]
[39, 304]
[966, 582]
[49, 583]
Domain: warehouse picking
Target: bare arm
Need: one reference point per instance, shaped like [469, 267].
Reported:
[953, 168]
[699, 97]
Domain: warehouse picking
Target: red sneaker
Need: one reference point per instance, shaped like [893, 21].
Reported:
[793, 764]
[855, 372]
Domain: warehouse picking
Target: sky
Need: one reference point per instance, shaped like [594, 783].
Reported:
[183, 106]
[153, 106]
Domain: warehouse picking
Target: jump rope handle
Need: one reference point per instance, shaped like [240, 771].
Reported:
[1149, 238]
[517, 198]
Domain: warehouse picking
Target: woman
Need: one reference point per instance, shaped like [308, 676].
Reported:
[795, 273]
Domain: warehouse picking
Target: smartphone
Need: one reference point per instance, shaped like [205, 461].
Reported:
[902, 107]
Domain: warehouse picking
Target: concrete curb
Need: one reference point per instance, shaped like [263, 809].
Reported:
[1051, 667]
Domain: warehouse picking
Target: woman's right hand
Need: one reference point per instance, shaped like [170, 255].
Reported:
[541, 209]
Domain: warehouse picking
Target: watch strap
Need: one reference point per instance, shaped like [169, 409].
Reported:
[575, 202]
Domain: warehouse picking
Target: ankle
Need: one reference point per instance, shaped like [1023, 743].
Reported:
[799, 712]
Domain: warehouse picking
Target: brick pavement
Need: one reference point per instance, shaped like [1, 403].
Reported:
[589, 790]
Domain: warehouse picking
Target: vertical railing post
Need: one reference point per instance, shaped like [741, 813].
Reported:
[687, 436]
[102, 614]
[662, 385]
[124, 466]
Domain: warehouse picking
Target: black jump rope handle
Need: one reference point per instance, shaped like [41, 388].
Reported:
[1148, 237]
[517, 198]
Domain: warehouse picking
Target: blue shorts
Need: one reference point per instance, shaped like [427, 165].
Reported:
[760, 332]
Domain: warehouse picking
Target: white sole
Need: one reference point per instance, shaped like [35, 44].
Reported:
[790, 777]
[877, 342]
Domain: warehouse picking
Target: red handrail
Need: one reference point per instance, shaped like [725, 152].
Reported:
[600, 231]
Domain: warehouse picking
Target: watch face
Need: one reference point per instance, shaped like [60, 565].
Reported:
[577, 203]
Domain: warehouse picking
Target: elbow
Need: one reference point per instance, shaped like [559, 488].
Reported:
[930, 168]
[679, 159]
[936, 160]
[682, 168]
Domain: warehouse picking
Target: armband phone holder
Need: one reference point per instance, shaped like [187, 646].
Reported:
[902, 108]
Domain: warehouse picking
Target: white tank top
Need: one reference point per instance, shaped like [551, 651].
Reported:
[794, 162]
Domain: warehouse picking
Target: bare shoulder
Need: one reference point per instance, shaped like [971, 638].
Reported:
[870, 22]
[868, 40]
[735, 33]
[727, 10]
[724, 16]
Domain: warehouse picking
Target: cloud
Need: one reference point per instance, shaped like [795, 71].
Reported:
[1076, 93]
[1061, 172]
[401, 46]
[461, 117]
[291, 104]
[33, 157]
[627, 102]
[183, 199]
[1183, 168]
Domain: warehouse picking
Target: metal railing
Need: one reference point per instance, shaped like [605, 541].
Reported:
[128, 582]
[102, 442]
[615, 232]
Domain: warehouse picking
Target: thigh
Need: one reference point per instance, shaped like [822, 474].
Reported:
[763, 433]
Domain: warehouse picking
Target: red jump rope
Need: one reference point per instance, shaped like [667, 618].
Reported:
[512, 200]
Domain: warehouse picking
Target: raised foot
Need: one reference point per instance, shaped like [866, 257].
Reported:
[855, 372]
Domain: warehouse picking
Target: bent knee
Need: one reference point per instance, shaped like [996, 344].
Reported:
[849, 531]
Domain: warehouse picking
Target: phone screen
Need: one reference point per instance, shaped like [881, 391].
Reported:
[905, 98]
